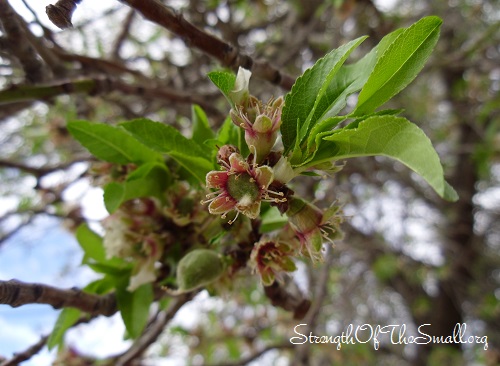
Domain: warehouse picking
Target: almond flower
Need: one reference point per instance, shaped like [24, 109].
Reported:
[240, 187]
[261, 123]
[313, 226]
[144, 270]
[271, 257]
[183, 205]
[134, 233]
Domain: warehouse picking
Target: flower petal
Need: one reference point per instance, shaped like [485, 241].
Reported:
[216, 179]
[240, 92]
[221, 205]
[237, 163]
[146, 274]
[264, 176]
[252, 211]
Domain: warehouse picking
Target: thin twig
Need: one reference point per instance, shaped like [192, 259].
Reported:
[42, 171]
[27, 353]
[17, 93]
[122, 36]
[153, 332]
[302, 354]
[256, 355]
[37, 347]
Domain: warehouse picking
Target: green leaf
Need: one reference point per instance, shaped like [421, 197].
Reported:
[67, 318]
[101, 286]
[134, 307]
[322, 129]
[149, 180]
[110, 143]
[395, 137]
[91, 244]
[114, 195]
[272, 219]
[115, 267]
[349, 80]
[229, 133]
[399, 64]
[224, 81]
[189, 154]
[94, 252]
[201, 128]
[308, 101]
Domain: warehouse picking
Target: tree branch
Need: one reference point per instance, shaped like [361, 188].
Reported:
[37, 347]
[42, 171]
[227, 55]
[16, 293]
[60, 14]
[153, 332]
[122, 36]
[17, 43]
[27, 353]
[256, 355]
[288, 297]
[302, 354]
[17, 93]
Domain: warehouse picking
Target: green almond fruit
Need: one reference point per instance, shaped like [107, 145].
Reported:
[198, 268]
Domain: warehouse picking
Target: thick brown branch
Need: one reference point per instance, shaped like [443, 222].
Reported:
[16, 293]
[39, 172]
[227, 55]
[60, 14]
[19, 46]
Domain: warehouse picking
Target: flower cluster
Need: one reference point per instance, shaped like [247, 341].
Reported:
[312, 226]
[270, 257]
[261, 121]
[182, 205]
[134, 233]
[243, 185]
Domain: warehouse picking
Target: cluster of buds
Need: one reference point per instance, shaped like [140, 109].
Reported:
[308, 228]
[102, 172]
[243, 183]
[261, 121]
[183, 205]
[271, 257]
[313, 226]
[135, 233]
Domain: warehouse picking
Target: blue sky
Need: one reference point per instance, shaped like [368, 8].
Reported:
[45, 253]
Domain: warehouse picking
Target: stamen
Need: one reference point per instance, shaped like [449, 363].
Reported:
[281, 194]
[230, 222]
